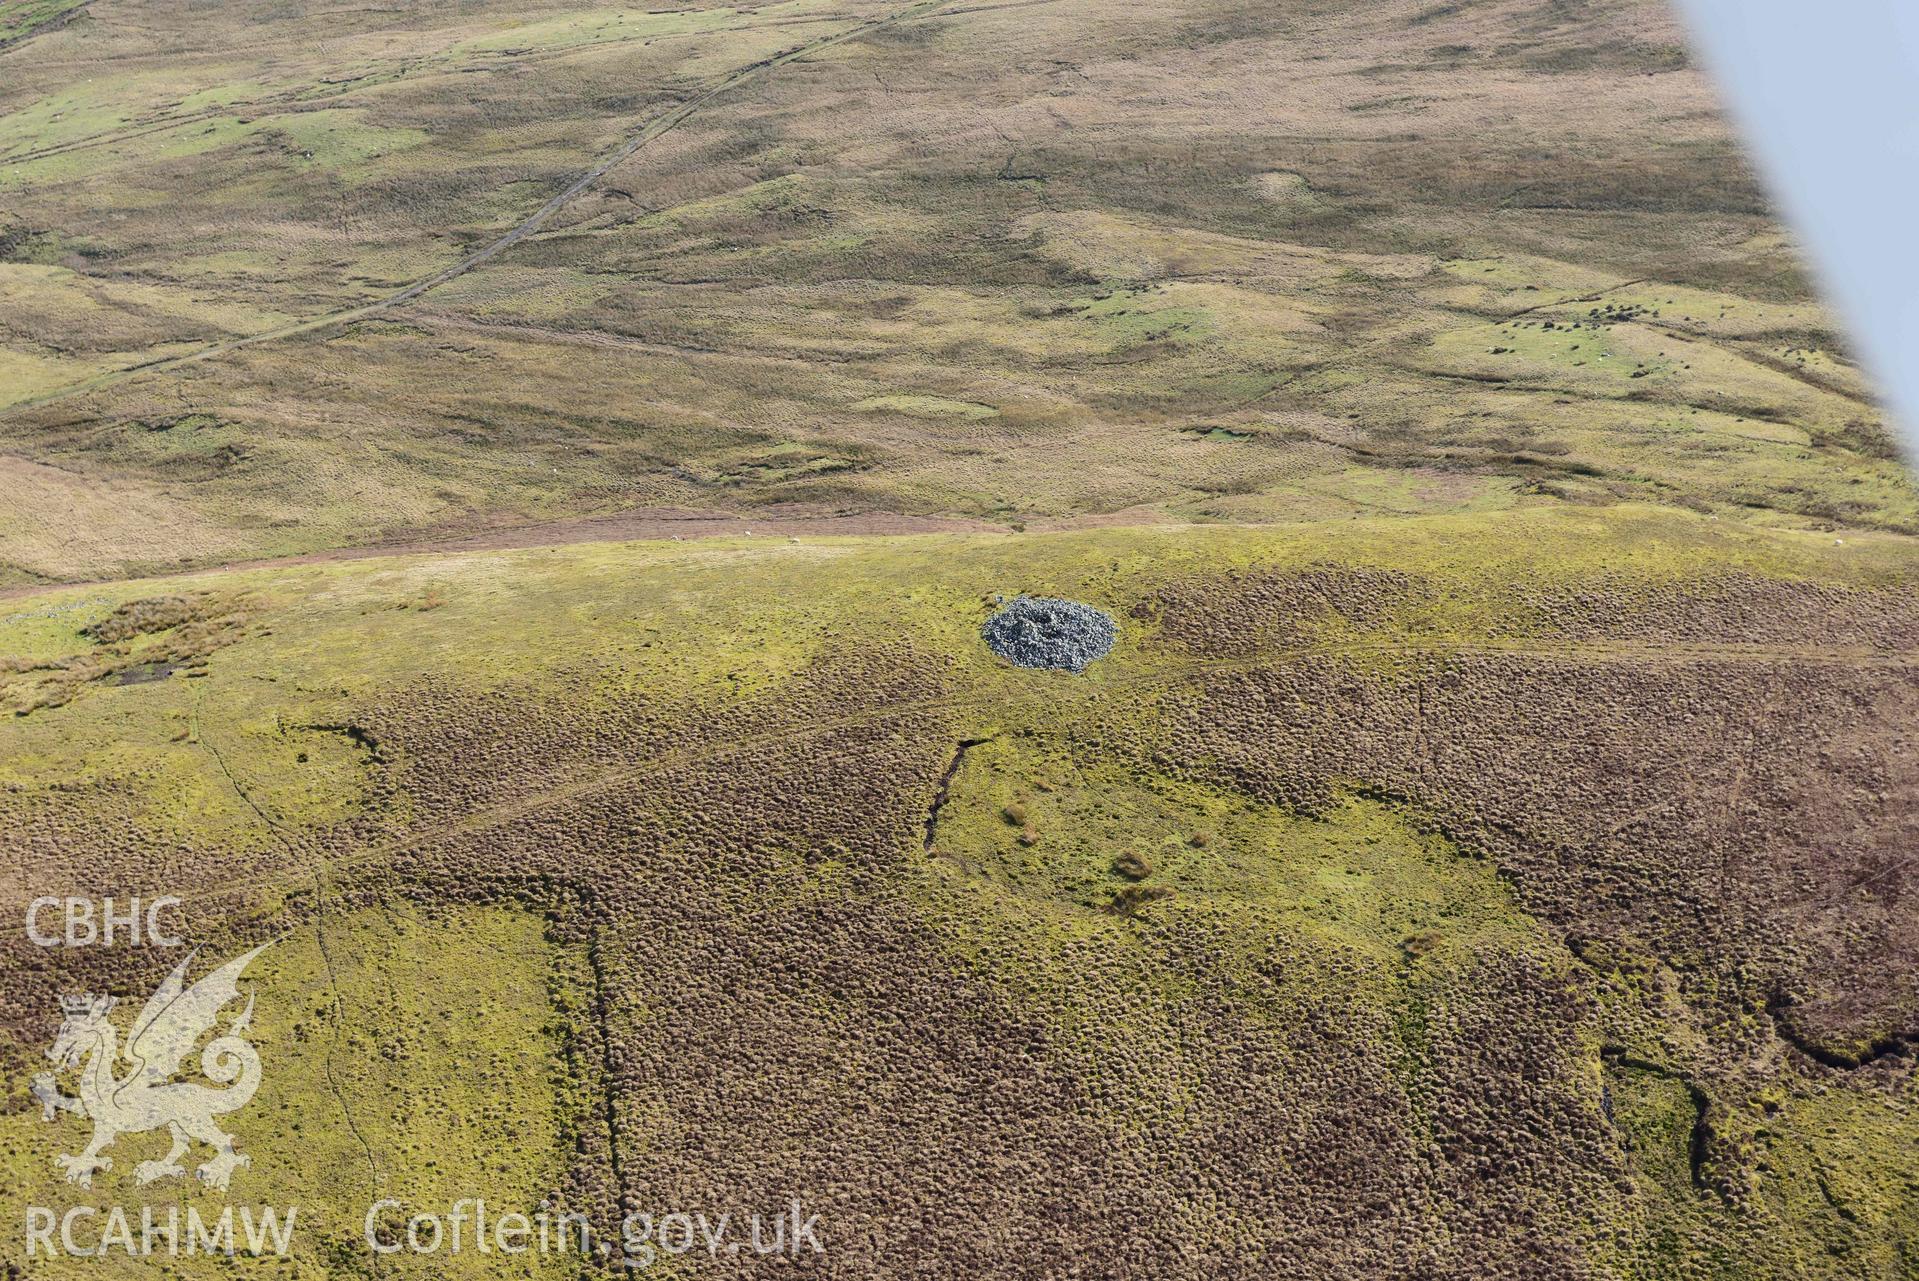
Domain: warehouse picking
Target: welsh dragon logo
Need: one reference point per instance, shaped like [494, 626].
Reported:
[148, 1096]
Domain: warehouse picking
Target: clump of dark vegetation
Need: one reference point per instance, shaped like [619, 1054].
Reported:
[143, 617]
[1421, 943]
[1129, 899]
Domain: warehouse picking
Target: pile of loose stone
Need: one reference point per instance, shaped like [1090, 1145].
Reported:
[1038, 631]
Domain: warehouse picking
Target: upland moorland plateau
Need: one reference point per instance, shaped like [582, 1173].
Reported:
[501, 499]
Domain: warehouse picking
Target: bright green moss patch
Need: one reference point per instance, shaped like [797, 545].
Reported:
[339, 140]
[1053, 828]
[1129, 317]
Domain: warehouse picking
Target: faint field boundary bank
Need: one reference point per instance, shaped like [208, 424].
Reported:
[652, 129]
[637, 525]
[53, 22]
